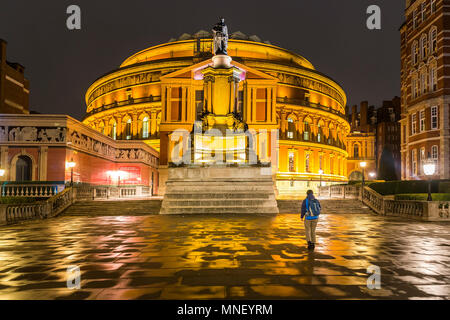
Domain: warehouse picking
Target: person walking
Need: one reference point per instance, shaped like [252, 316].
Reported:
[310, 211]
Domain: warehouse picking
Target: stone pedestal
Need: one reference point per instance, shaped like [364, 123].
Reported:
[220, 190]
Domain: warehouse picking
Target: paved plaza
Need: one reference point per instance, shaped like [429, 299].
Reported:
[224, 257]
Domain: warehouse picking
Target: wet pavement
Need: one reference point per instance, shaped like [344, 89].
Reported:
[224, 257]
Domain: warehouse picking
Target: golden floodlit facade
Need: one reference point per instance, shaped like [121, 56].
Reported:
[164, 88]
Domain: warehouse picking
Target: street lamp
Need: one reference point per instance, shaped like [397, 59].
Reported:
[363, 165]
[2, 172]
[372, 175]
[71, 164]
[429, 167]
[320, 185]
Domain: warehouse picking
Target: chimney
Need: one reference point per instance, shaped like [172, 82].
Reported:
[354, 114]
[3, 44]
[363, 112]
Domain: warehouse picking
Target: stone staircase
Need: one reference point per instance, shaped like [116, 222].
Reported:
[219, 191]
[114, 207]
[344, 206]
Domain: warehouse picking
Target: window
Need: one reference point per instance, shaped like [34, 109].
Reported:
[114, 131]
[23, 168]
[413, 124]
[414, 162]
[319, 134]
[128, 130]
[145, 128]
[356, 151]
[433, 76]
[423, 46]
[433, 40]
[434, 118]
[423, 82]
[421, 159]
[435, 155]
[291, 162]
[433, 6]
[415, 53]
[291, 128]
[306, 132]
[422, 121]
[415, 19]
[307, 162]
[424, 12]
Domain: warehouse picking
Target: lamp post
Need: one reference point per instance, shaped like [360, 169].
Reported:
[363, 165]
[429, 167]
[320, 184]
[71, 164]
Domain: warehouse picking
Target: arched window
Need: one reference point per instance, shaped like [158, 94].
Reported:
[291, 128]
[114, 131]
[423, 46]
[145, 128]
[306, 132]
[128, 129]
[433, 40]
[356, 151]
[414, 53]
[291, 162]
[23, 169]
[319, 134]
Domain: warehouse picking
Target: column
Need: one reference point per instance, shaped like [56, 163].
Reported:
[135, 125]
[42, 163]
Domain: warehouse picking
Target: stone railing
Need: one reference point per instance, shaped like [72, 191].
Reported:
[34, 190]
[13, 213]
[373, 200]
[386, 205]
[412, 209]
[340, 191]
[91, 192]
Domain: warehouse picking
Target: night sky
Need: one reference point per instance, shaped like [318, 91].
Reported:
[61, 64]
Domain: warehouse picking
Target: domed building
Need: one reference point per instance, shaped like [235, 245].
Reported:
[163, 88]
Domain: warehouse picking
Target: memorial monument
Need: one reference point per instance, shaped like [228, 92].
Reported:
[219, 171]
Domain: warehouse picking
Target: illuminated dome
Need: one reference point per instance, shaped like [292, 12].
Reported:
[160, 89]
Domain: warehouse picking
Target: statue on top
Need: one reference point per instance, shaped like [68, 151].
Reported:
[220, 32]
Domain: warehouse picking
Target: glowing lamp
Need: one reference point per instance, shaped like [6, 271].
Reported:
[70, 164]
[429, 167]
[363, 164]
[2, 172]
[372, 174]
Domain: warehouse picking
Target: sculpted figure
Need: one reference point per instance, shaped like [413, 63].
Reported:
[220, 31]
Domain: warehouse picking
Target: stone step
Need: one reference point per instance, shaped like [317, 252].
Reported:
[124, 207]
[217, 210]
[216, 203]
[221, 195]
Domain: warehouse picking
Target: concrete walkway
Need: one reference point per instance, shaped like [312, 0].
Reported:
[208, 257]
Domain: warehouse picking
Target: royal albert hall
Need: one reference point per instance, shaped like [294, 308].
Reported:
[161, 89]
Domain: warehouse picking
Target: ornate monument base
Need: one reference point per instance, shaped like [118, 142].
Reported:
[220, 190]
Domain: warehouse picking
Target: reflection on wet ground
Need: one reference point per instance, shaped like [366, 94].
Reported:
[231, 257]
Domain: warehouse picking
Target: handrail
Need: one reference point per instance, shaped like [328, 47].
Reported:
[41, 209]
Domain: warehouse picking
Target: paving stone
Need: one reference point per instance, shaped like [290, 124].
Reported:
[217, 257]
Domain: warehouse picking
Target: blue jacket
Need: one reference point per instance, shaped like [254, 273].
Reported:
[305, 207]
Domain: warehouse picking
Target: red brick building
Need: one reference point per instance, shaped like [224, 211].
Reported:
[14, 88]
[425, 88]
[39, 148]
